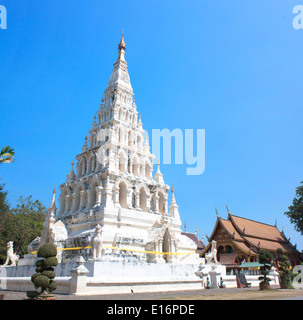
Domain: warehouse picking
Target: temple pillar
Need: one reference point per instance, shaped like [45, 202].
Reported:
[88, 197]
[143, 170]
[82, 199]
[116, 196]
[128, 198]
[73, 201]
[108, 194]
[137, 200]
[98, 191]
[157, 204]
[67, 203]
[148, 199]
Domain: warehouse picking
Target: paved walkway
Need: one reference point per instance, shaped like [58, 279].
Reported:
[13, 295]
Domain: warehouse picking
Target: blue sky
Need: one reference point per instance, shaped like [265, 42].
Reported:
[232, 68]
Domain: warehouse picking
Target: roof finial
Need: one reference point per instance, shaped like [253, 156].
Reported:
[217, 212]
[84, 148]
[122, 47]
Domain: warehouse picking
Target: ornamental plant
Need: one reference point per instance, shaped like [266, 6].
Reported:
[265, 258]
[45, 274]
[284, 270]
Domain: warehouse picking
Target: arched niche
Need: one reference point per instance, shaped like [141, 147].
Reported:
[123, 195]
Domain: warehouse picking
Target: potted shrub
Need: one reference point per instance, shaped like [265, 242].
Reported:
[45, 274]
[265, 258]
[284, 270]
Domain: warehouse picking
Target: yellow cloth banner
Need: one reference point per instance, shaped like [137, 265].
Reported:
[124, 249]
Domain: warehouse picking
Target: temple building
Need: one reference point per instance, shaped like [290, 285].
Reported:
[240, 240]
[194, 237]
[113, 186]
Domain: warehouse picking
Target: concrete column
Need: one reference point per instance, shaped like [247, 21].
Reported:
[116, 195]
[128, 198]
[143, 170]
[157, 204]
[137, 200]
[83, 171]
[165, 204]
[130, 166]
[148, 199]
[73, 201]
[88, 198]
[98, 191]
[82, 199]
[108, 194]
[67, 203]
[79, 277]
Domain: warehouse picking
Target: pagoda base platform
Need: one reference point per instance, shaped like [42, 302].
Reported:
[103, 277]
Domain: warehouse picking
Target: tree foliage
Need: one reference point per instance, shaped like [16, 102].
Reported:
[265, 258]
[44, 276]
[21, 224]
[284, 269]
[295, 213]
[6, 155]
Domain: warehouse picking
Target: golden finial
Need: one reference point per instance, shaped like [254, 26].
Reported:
[172, 189]
[122, 47]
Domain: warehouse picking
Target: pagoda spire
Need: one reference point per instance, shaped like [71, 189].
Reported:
[50, 218]
[174, 208]
[120, 78]
[122, 48]
[159, 175]
[71, 176]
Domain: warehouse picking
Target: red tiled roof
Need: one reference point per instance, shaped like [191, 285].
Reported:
[231, 230]
[250, 236]
[257, 229]
[271, 245]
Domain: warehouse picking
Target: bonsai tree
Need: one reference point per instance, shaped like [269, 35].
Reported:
[265, 258]
[284, 270]
[44, 276]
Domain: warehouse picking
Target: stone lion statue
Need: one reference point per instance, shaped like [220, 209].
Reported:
[97, 243]
[212, 255]
[11, 256]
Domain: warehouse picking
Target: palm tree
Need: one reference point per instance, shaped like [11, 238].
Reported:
[6, 155]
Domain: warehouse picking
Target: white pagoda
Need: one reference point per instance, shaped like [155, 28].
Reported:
[113, 186]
